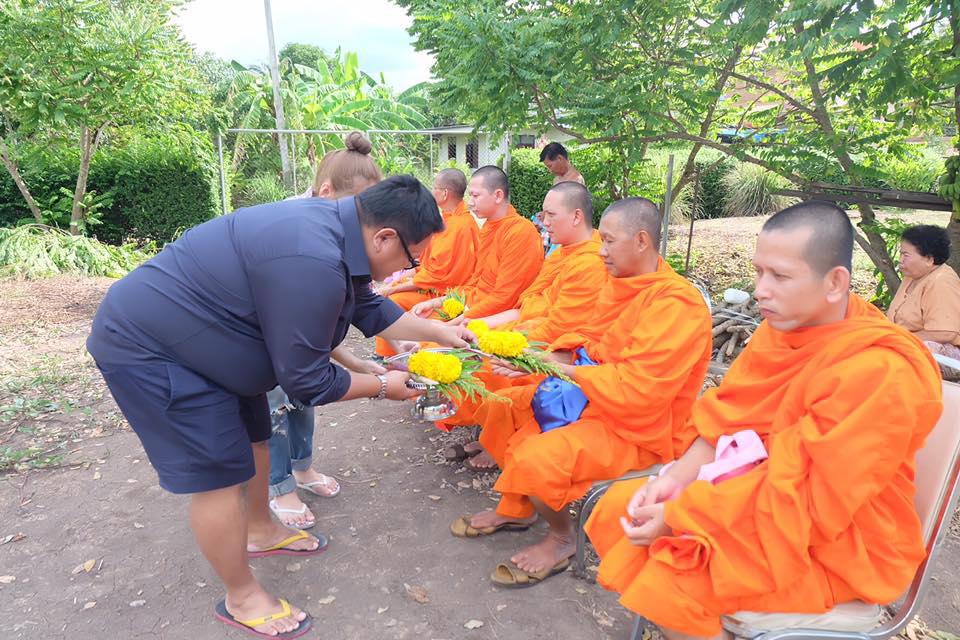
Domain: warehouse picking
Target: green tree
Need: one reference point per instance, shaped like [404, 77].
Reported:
[844, 79]
[74, 69]
[305, 55]
[335, 94]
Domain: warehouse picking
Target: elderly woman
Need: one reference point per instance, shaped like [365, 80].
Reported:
[928, 301]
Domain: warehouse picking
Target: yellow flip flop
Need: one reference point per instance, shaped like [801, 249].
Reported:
[225, 617]
[281, 548]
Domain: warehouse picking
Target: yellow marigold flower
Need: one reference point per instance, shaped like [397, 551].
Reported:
[478, 327]
[452, 307]
[440, 367]
[507, 344]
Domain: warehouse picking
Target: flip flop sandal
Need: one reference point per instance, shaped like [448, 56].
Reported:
[309, 486]
[278, 510]
[462, 528]
[224, 616]
[511, 576]
[458, 452]
[280, 549]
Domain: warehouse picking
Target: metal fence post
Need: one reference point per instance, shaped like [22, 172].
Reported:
[223, 176]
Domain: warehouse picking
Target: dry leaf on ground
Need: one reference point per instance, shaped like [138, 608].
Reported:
[417, 593]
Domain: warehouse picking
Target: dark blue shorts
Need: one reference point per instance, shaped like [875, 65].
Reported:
[196, 433]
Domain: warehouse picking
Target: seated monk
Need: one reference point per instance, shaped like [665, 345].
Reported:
[561, 300]
[650, 365]
[927, 304]
[509, 255]
[562, 297]
[828, 405]
[450, 259]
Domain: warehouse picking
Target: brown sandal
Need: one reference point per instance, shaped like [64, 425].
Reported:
[511, 576]
[462, 528]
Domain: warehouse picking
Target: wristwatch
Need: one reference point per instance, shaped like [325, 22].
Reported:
[383, 386]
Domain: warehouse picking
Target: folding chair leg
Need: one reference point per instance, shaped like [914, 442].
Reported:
[579, 560]
[638, 628]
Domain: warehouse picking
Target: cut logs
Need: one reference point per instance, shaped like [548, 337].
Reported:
[733, 325]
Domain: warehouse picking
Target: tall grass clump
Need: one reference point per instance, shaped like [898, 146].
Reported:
[37, 251]
[750, 191]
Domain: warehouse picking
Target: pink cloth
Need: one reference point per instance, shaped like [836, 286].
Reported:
[735, 455]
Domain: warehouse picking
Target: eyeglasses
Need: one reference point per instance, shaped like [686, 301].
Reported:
[414, 263]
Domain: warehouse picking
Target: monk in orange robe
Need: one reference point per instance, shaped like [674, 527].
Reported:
[510, 252]
[561, 300]
[841, 400]
[449, 261]
[651, 358]
[562, 297]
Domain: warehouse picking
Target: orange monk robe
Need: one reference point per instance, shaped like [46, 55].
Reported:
[563, 297]
[509, 257]
[653, 359]
[448, 262]
[828, 518]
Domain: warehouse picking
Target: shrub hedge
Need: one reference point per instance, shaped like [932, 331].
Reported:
[160, 184]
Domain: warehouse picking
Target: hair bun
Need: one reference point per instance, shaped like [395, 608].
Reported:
[356, 141]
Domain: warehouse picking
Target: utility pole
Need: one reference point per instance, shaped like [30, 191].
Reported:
[277, 98]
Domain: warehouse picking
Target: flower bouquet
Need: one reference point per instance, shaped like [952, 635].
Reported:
[453, 306]
[513, 348]
[450, 371]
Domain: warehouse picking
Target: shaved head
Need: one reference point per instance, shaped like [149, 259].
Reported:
[576, 196]
[454, 180]
[830, 242]
[636, 215]
[493, 178]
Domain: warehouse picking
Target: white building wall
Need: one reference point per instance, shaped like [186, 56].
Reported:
[491, 150]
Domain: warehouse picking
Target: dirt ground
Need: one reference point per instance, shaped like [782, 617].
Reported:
[722, 248]
[91, 547]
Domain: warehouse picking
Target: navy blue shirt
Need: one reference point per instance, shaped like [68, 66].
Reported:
[249, 300]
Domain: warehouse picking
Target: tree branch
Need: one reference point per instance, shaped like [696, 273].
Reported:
[7, 159]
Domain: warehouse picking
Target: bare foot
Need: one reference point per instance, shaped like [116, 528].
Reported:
[482, 461]
[276, 533]
[317, 483]
[259, 604]
[491, 518]
[473, 447]
[292, 512]
[545, 554]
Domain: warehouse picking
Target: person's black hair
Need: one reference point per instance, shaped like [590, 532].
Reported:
[576, 196]
[831, 241]
[493, 178]
[930, 241]
[552, 150]
[402, 203]
[454, 180]
[637, 214]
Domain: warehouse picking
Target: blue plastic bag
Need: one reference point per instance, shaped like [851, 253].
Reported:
[557, 402]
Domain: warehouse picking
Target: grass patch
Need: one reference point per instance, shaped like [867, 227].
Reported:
[12, 459]
[41, 390]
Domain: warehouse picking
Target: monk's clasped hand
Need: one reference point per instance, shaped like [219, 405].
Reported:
[646, 525]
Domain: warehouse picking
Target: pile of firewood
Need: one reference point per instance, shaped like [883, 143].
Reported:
[733, 325]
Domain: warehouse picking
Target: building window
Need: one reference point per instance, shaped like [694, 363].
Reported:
[526, 142]
[472, 154]
[451, 148]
